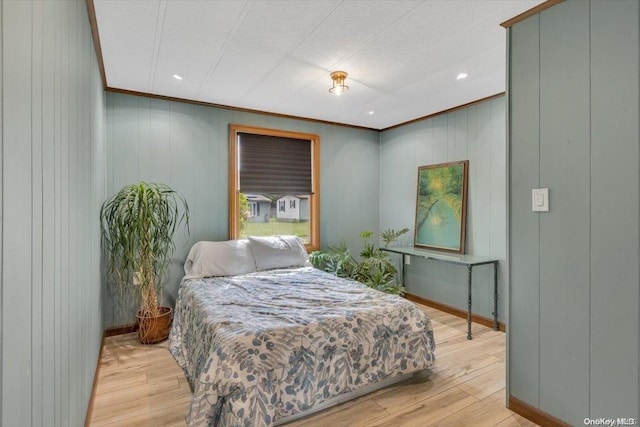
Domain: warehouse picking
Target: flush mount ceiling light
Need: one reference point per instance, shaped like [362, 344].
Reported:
[338, 87]
[177, 77]
[462, 76]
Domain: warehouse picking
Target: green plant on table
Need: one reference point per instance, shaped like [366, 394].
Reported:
[374, 268]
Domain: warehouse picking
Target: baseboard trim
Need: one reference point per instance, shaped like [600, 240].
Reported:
[534, 414]
[120, 330]
[455, 311]
[96, 375]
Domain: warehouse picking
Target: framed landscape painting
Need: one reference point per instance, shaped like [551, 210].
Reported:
[441, 206]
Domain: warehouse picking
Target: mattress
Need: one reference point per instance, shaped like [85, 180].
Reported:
[268, 345]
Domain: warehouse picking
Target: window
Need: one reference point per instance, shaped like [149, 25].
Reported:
[254, 208]
[282, 169]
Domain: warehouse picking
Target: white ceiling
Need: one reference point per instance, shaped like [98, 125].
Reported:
[402, 57]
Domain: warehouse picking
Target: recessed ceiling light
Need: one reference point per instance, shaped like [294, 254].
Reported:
[462, 76]
[371, 112]
[177, 77]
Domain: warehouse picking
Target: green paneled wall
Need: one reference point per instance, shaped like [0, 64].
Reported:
[477, 134]
[1, 197]
[524, 227]
[574, 282]
[53, 113]
[186, 147]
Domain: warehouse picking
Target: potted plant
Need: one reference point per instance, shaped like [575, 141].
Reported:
[138, 224]
[374, 268]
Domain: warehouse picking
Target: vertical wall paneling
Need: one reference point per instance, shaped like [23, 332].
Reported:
[37, 397]
[475, 133]
[84, 221]
[48, 205]
[498, 206]
[72, 215]
[59, 139]
[1, 194]
[52, 183]
[98, 155]
[16, 310]
[564, 231]
[614, 209]
[185, 146]
[62, 368]
[507, 188]
[524, 228]
[574, 101]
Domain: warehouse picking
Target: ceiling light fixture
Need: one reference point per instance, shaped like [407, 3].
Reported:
[462, 76]
[338, 87]
[371, 112]
[177, 77]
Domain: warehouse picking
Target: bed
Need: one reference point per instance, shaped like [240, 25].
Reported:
[277, 341]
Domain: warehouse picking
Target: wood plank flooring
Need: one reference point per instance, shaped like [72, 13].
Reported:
[142, 385]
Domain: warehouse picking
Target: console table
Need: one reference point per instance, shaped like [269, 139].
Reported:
[469, 261]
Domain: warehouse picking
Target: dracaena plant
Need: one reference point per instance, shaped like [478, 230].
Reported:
[138, 224]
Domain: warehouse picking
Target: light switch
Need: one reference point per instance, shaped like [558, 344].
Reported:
[540, 200]
[407, 259]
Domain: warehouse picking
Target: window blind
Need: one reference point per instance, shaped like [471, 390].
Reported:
[274, 165]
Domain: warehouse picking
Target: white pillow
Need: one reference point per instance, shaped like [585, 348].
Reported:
[226, 258]
[278, 252]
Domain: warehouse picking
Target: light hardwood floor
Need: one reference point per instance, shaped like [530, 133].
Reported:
[143, 386]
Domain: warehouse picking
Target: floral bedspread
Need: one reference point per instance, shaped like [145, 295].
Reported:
[263, 346]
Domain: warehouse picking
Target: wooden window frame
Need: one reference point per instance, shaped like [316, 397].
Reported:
[234, 179]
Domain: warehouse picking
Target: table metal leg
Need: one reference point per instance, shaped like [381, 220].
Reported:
[495, 296]
[469, 270]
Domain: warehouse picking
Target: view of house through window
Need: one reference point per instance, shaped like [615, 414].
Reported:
[273, 188]
[271, 214]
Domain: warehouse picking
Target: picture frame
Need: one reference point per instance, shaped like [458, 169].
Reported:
[441, 207]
